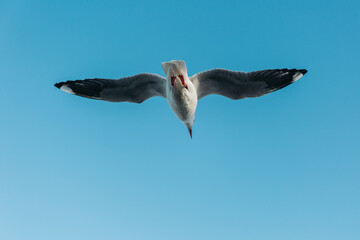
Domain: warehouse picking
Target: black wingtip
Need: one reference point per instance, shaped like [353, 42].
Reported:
[303, 71]
[58, 85]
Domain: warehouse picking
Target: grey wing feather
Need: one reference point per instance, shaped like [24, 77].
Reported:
[238, 85]
[136, 88]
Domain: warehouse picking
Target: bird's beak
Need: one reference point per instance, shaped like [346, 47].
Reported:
[190, 131]
[173, 80]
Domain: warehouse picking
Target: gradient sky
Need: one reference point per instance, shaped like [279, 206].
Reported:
[283, 166]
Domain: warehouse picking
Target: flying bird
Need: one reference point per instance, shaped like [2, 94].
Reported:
[181, 91]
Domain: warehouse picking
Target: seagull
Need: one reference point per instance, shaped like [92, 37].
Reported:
[181, 91]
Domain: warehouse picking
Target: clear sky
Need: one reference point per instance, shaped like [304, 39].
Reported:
[283, 166]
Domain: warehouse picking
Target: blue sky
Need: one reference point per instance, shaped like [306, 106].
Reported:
[283, 166]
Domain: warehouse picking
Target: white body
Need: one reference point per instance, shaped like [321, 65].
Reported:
[182, 100]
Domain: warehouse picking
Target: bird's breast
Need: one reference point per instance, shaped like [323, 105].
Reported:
[183, 101]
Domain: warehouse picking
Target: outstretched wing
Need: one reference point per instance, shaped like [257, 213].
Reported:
[237, 85]
[136, 88]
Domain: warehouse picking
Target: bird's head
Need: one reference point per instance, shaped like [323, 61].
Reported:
[175, 69]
